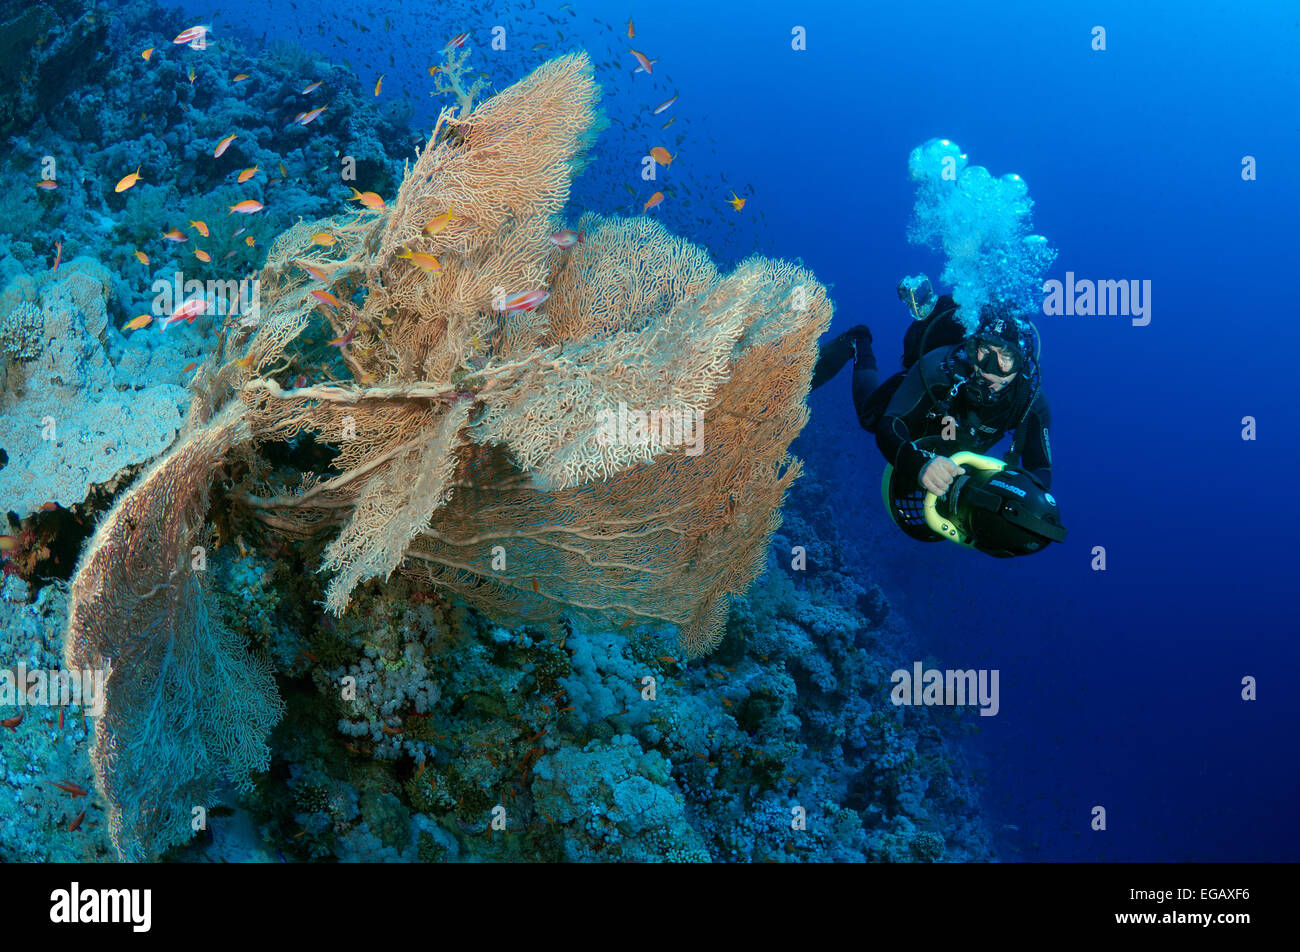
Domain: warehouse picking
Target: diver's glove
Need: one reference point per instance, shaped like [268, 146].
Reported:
[859, 339]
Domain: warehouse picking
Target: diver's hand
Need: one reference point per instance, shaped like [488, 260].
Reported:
[939, 473]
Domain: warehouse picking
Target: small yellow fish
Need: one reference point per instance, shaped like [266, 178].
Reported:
[145, 54]
[141, 257]
[434, 69]
[668, 123]
[247, 174]
[128, 181]
[379, 83]
[442, 221]
[202, 255]
[135, 323]
[223, 145]
[284, 173]
[425, 262]
[246, 207]
[240, 77]
[250, 241]
[200, 227]
[368, 199]
[192, 76]
[736, 201]
[323, 238]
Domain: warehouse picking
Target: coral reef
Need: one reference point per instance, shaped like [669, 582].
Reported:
[526, 641]
[69, 424]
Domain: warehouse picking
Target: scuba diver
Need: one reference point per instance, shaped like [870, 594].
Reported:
[958, 395]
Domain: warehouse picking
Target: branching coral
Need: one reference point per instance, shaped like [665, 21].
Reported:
[473, 446]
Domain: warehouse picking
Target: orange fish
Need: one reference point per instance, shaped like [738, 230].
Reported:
[311, 87]
[368, 199]
[76, 824]
[326, 298]
[379, 83]
[240, 77]
[246, 207]
[47, 184]
[247, 174]
[12, 722]
[315, 272]
[141, 257]
[535, 588]
[135, 323]
[128, 181]
[526, 300]
[341, 342]
[202, 255]
[223, 145]
[434, 69]
[308, 117]
[187, 311]
[68, 786]
[200, 227]
[442, 221]
[662, 156]
[323, 238]
[425, 262]
[736, 201]
[653, 201]
[175, 235]
[250, 241]
[631, 30]
[188, 367]
[646, 64]
[57, 257]
[145, 54]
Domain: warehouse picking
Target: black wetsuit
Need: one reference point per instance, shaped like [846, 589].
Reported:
[905, 414]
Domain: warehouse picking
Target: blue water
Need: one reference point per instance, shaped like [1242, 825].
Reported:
[1119, 688]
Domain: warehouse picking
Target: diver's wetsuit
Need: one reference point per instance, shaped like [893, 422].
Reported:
[906, 416]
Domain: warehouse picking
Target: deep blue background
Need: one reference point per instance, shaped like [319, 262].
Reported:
[1119, 688]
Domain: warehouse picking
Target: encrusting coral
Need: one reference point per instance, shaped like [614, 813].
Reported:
[474, 447]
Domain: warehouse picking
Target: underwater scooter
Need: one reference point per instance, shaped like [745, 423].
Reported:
[992, 507]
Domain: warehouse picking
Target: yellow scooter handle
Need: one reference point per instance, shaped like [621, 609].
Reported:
[940, 524]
